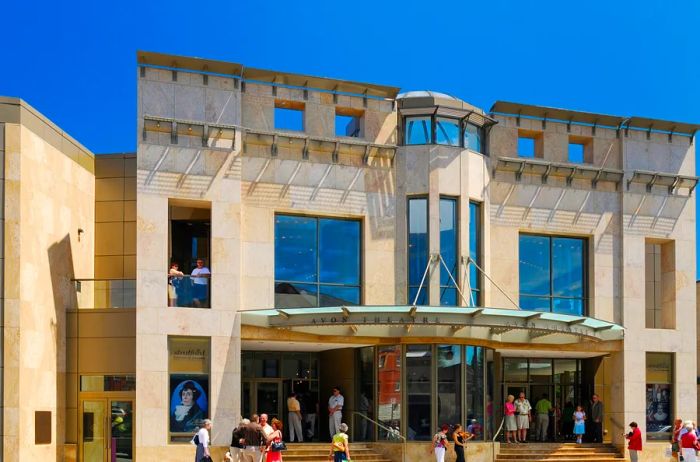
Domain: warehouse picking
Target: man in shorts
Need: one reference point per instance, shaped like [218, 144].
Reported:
[523, 416]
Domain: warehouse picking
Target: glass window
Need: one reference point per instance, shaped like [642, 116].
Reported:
[660, 267]
[475, 391]
[417, 249]
[389, 388]
[448, 251]
[418, 392]
[540, 371]
[659, 393]
[449, 383]
[515, 369]
[576, 153]
[552, 274]
[473, 136]
[475, 252]
[418, 130]
[447, 131]
[317, 261]
[188, 367]
[287, 118]
[107, 383]
[364, 429]
[565, 372]
[526, 146]
[347, 125]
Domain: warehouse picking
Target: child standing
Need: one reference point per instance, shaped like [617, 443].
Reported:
[579, 424]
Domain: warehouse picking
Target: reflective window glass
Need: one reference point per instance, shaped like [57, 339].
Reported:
[473, 137]
[417, 248]
[317, 261]
[418, 130]
[475, 391]
[475, 252]
[364, 429]
[515, 369]
[418, 392]
[449, 375]
[552, 274]
[389, 389]
[540, 371]
[448, 251]
[447, 131]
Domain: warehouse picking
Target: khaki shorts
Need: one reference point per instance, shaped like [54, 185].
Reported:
[523, 422]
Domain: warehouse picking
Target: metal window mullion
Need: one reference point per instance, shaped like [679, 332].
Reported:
[434, 387]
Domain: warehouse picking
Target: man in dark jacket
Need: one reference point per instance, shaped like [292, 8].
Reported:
[595, 416]
[253, 441]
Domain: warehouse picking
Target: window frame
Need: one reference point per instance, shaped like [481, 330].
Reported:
[584, 265]
[455, 274]
[462, 124]
[426, 287]
[317, 282]
[479, 250]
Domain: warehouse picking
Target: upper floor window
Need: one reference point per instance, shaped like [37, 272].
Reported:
[576, 151]
[417, 249]
[449, 246]
[660, 285]
[473, 137]
[418, 130]
[289, 115]
[447, 131]
[348, 122]
[553, 274]
[317, 261]
[580, 150]
[530, 144]
[475, 252]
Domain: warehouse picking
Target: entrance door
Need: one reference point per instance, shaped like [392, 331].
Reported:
[268, 399]
[106, 430]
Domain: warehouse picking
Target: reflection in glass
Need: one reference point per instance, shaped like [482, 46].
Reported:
[515, 369]
[449, 375]
[552, 274]
[417, 248]
[93, 431]
[448, 251]
[540, 372]
[447, 131]
[473, 137]
[389, 389]
[364, 429]
[418, 395]
[122, 431]
[492, 408]
[317, 262]
[475, 391]
[475, 252]
[565, 371]
[418, 130]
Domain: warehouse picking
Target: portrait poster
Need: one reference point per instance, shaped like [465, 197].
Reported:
[189, 402]
[658, 408]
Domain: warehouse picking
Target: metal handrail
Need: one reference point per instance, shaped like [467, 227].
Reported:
[387, 429]
[495, 436]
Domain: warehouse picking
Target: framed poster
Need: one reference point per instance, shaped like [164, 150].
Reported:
[189, 402]
[658, 408]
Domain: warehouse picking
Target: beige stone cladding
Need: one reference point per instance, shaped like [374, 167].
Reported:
[617, 220]
[49, 195]
[244, 183]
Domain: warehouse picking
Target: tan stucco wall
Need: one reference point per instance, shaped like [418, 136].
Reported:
[49, 194]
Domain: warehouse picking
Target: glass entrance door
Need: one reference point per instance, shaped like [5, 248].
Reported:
[268, 397]
[106, 430]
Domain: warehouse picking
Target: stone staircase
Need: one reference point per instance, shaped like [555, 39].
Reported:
[558, 452]
[318, 452]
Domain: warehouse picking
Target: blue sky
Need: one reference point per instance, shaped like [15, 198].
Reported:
[75, 60]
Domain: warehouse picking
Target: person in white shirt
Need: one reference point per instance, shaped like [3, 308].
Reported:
[523, 416]
[266, 428]
[335, 411]
[200, 285]
[203, 444]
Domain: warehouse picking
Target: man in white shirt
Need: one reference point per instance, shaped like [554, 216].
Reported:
[523, 416]
[266, 428]
[200, 285]
[335, 411]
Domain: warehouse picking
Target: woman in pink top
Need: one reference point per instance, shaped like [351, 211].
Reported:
[511, 427]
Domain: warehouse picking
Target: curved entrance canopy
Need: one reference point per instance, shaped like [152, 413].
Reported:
[495, 324]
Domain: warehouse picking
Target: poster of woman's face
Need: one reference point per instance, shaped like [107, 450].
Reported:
[189, 403]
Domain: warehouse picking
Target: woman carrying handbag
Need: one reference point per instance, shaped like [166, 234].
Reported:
[275, 445]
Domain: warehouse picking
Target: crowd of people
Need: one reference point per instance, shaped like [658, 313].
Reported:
[685, 440]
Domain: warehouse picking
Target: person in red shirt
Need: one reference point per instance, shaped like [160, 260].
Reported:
[689, 444]
[635, 441]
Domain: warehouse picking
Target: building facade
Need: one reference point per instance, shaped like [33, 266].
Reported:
[424, 255]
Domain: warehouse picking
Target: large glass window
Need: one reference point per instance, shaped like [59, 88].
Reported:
[659, 411]
[552, 274]
[473, 136]
[447, 131]
[389, 389]
[418, 393]
[448, 251]
[475, 252]
[317, 261]
[364, 429]
[417, 249]
[449, 383]
[418, 130]
[475, 391]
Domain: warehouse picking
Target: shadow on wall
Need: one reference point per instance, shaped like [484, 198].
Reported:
[60, 257]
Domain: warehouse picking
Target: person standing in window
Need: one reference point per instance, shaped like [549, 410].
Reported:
[174, 281]
[294, 408]
[335, 411]
[200, 285]
[440, 443]
[635, 442]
